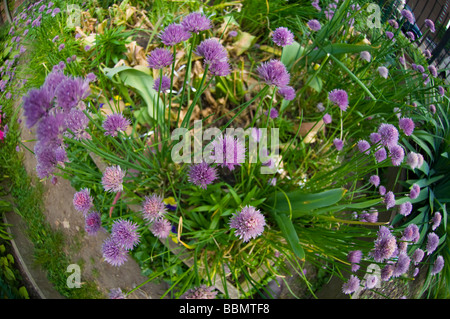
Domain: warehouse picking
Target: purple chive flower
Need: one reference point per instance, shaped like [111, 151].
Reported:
[393, 23]
[159, 58]
[407, 125]
[165, 84]
[173, 34]
[432, 108]
[397, 154]
[412, 160]
[201, 292]
[115, 123]
[383, 71]
[87, 48]
[35, 105]
[420, 68]
[56, 38]
[418, 255]
[405, 208]
[320, 107]
[374, 180]
[385, 245]
[436, 220]
[153, 208]
[408, 15]
[77, 122]
[160, 228]
[354, 256]
[365, 55]
[93, 223]
[274, 72]
[390, 35]
[287, 92]
[338, 143]
[220, 68]
[441, 90]
[314, 25]
[61, 47]
[386, 272]
[430, 25]
[389, 199]
[432, 70]
[112, 179]
[351, 285]
[273, 113]
[196, 22]
[212, 51]
[56, 11]
[414, 192]
[326, 118]
[114, 253]
[410, 35]
[432, 243]
[233, 33]
[371, 281]
[374, 138]
[82, 201]
[124, 233]
[116, 293]
[438, 265]
[388, 134]
[402, 264]
[411, 232]
[202, 174]
[363, 146]
[71, 91]
[248, 223]
[282, 36]
[402, 60]
[427, 53]
[380, 155]
[228, 152]
[339, 97]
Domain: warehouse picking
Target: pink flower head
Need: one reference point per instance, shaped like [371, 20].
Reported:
[228, 152]
[112, 179]
[430, 25]
[173, 34]
[407, 125]
[82, 201]
[282, 37]
[248, 223]
[274, 72]
[339, 97]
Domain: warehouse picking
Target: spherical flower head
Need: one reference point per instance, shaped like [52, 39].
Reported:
[287, 92]
[71, 91]
[274, 72]
[405, 208]
[397, 154]
[220, 68]
[212, 51]
[159, 58]
[115, 123]
[402, 264]
[414, 192]
[196, 22]
[233, 33]
[116, 293]
[408, 15]
[386, 272]
[364, 146]
[365, 55]
[161, 228]
[93, 222]
[314, 25]
[282, 37]
[432, 70]
[228, 152]
[389, 199]
[339, 97]
[380, 155]
[410, 35]
[393, 23]
[124, 232]
[388, 134]
[436, 220]
[35, 105]
[338, 143]
[77, 122]
[427, 53]
[173, 34]
[273, 113]
[407, 125]
[112, 179]
[248, 223]
[383, 71]
[202, 174]
[438, 265]
[430, 25]
[371, 281]
[327, 118]
[441, 90]
[418, 255]
[385, 245]
[432, 108]
[421, 69]
[153, 208]
[165, 84]
[354, 256]
[82, 201]
[432, 243]
[201, 292]
[390, 35]
[374, 180]
[351, 285]
[411, 232]
[113, 253]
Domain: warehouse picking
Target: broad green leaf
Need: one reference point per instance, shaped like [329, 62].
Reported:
[336, 49]
[143, 84]
[315, 83]
[304, 203]
[288, 231]
[291, 53]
